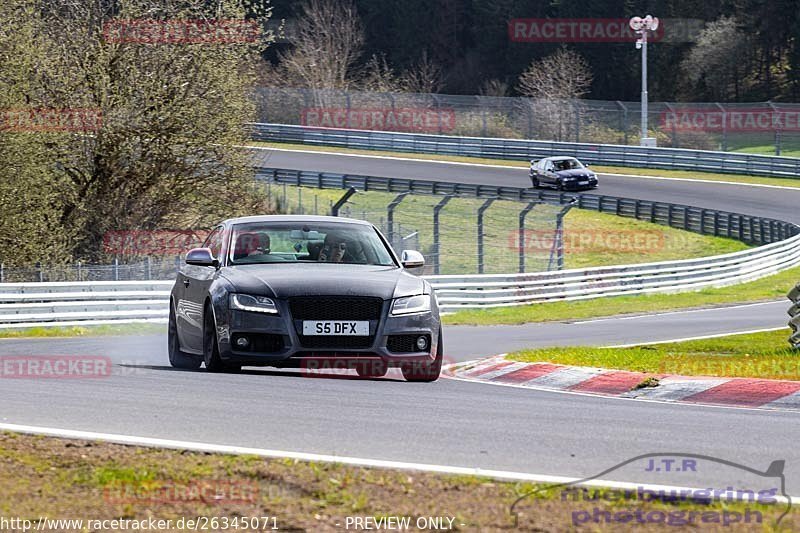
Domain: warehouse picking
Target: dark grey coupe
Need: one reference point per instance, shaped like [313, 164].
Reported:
[304, 292]
[562, 173]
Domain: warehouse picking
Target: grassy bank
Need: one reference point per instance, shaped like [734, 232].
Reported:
[54, 478]
[756, 355]
[769, 288]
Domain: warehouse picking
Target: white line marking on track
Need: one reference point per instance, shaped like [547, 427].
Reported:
[352, 461]
[697, 338]
[486, 165]
[677, 312]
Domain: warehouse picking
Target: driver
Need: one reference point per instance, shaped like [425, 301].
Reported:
[333, 249]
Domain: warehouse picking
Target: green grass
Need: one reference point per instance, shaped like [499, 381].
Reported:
[83, 331]
[757, 355]
[591, 238]
[686, 174]
[768, 288]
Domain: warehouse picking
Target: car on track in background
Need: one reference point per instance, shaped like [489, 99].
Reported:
[303, 291]
[562, 173]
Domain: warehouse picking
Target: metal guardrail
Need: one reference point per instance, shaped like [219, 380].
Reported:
[746, 228]
[794, 313]
[24, 305]
[65, 304]
[515, 149]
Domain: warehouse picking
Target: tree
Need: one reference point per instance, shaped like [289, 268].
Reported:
[717, 66]
[173, 117]
[553, 86]
[327, 43]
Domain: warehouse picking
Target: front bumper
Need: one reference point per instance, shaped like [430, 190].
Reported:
[285, 347]
[580, 184]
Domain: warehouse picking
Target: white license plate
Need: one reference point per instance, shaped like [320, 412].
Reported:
[583, 183]
[336, 327]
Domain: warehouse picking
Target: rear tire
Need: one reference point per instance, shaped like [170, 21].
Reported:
[211, 356]
[178, 358]
[426, 372]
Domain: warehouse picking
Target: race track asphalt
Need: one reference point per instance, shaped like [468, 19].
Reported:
[448, 422]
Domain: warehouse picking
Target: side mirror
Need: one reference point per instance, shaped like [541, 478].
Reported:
[412, 259]
[201, 257]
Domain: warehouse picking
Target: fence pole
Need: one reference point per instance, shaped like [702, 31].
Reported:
[557, 249]
[149, 268]
[2, 272]
[41, 274]
[116, 269]
[522, 215]
[436, 248]
[481, 210]
[390, 215]
[343, 200]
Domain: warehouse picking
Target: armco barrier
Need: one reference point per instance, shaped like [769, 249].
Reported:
[24, 305]
[522, 150]
[746, 228]
[63, 304]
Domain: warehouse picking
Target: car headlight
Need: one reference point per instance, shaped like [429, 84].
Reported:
[253, 304]
[412, 305]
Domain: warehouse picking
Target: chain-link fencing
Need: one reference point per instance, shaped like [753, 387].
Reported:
[760, 127]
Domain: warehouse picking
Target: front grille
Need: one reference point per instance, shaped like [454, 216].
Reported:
[335, 308]
[335, 342]
[404, 343]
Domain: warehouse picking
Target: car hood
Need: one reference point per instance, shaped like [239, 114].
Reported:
[323, 279]
[576, 173]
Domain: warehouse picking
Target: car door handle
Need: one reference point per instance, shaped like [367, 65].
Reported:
[186, 283]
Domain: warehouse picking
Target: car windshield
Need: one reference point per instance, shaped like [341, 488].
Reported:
[568, 164]
[295, 242]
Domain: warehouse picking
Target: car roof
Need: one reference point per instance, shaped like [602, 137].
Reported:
[560, 158]
[293, 218]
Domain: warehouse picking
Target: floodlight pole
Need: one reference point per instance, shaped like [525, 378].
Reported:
[644, 87]
[642, 27]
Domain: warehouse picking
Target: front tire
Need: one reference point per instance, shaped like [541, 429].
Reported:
[211, 356]
[178, 358]
[535, 182]
[426, 372]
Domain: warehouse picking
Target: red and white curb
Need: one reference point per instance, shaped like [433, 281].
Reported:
[720, 391]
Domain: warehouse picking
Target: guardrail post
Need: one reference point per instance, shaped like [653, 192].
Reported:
[481, 210]
[522, 215]
[436, 248]
[343, 200]
[390, 215]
